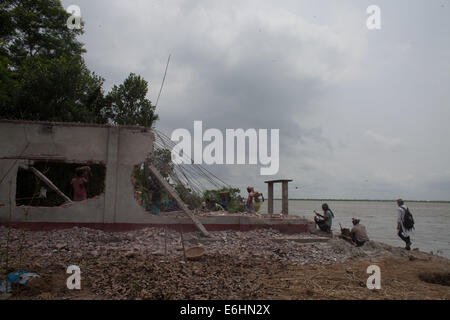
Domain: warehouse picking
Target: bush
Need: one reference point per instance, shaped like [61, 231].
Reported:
[235, 201]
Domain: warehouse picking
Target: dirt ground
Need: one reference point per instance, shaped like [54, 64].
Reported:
[228, 277]
[251, 265]
[401, 278]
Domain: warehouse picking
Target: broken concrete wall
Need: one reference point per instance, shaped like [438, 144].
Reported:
[119, 148]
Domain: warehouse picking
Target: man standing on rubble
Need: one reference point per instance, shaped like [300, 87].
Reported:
[249, 203]
[258, 201]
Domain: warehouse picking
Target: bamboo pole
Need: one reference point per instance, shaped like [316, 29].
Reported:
[180, 202]
[47, 181]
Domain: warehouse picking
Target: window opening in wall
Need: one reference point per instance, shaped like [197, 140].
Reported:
[51, 184]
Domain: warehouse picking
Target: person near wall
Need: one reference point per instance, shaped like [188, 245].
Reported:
[79, 185]
[259, 199]
[249, 204]
[224, 199]
[86, 171]
[156, 202]
[170, 205]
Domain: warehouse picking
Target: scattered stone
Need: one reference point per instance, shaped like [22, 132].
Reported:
[130, 264]
[60, 246]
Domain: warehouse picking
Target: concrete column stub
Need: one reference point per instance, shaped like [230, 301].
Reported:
[111, 175]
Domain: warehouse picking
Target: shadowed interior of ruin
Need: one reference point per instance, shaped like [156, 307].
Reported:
[29, 186]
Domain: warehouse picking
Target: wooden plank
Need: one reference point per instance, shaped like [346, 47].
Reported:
[47, 181]
[180, 202]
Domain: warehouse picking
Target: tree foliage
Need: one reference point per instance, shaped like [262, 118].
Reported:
[235, 199]
[127, 103]
[43, 75]
[188, 196]
[36, 28]
[56, 89]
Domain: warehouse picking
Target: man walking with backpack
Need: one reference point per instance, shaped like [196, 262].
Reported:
[405, 223]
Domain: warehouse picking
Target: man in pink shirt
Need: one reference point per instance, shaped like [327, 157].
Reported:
[79, 185]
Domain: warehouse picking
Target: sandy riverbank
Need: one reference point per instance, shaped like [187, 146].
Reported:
[260, 264]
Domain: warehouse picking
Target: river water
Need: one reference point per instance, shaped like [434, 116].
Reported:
[432, 220]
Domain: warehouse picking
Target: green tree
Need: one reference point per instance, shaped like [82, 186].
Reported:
[36, 28]
[127, 103]
[8, 85]
[56, 89]
[42, 73]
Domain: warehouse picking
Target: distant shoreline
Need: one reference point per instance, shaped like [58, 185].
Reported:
[366, 200]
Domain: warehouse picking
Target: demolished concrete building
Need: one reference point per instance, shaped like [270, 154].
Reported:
[118, 148]
[114, 151]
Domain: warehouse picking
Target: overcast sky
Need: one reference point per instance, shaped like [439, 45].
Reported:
[363, 114]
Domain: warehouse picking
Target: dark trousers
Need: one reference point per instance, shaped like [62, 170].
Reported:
[323, 226]
[406, 239]
[358, 243]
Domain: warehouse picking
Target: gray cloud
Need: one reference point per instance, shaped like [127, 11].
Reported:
[362, 114]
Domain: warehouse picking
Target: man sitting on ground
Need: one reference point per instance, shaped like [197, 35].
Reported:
[358, 233]
[324, 221]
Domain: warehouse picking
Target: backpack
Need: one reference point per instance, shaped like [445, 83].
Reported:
[408, 220]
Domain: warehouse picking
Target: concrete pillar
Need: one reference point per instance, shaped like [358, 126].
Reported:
[7, 189]
[285, 197]
[112, 151]
[270, 195]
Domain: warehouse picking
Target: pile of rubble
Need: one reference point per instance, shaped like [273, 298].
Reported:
[79, 242]
[149, 263]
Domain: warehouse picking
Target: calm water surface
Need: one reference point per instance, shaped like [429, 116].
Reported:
[432, 220]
